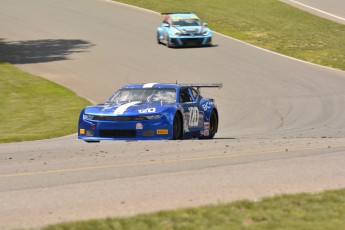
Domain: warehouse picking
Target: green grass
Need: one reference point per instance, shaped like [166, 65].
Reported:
[33, 108]
[321, 211]
[270, 24]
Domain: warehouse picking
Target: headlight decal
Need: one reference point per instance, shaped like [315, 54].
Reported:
[151, 117]
[88, 117]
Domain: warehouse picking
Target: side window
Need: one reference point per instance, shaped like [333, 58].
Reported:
[185, 96]
[195, 94]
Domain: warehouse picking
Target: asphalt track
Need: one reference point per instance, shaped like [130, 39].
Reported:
[331, 9]
[282, 124]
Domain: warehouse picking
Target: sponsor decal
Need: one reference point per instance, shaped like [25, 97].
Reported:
[139, 126]
[162, 131]
[148, 110]
[207, 105]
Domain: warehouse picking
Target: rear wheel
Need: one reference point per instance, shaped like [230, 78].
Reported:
[177, 127]
[213, 124]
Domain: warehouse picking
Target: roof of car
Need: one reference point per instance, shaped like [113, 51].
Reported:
[173, 86]
[151, 85]
[182, 15]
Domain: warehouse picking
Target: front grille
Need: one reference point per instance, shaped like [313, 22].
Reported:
[119, 118]
[192, 41]
[118, 133]
[191, 34]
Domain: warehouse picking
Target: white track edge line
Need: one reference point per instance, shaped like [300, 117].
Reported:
[316, 9]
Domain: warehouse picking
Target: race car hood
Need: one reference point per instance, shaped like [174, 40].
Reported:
[128, 109]
[190, 29]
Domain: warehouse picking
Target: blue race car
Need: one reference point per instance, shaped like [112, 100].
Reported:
[151, 112]
[183, 29]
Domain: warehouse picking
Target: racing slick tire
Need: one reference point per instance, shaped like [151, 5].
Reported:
[158, 39]
[213, 125]
[92, 141]
[168, 43]
[177, 127]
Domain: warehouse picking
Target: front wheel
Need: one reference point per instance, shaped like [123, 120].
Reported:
[158, 39]
[92, 141]
[168, 42]
[177, 127]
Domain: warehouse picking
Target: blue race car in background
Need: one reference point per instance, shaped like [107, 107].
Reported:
[183, 29]
[151, 111]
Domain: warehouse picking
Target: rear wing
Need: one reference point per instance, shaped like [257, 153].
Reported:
[205, 85]
[176, 13]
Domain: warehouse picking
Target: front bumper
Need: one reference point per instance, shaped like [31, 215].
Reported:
[95, 130]
[190, 41]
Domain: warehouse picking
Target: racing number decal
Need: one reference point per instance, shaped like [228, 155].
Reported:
[193, 116]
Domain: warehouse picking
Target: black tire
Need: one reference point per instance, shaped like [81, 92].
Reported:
[92, 141]
[177, 127]
[168, 42]
[213, 124]
[158, 40]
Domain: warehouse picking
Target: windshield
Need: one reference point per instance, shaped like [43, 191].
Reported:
[186, 22]
[143, 95]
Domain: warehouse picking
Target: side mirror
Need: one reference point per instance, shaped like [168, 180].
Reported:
[205, 24]
[166, 24]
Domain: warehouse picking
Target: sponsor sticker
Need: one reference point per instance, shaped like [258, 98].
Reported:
[148, 110]
[139, 126]
[207, 105]
[162, 131]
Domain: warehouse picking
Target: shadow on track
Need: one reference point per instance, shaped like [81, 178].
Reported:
[36, 51]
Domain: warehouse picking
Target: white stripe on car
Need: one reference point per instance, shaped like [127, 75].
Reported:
[149, 85]
[122, 108]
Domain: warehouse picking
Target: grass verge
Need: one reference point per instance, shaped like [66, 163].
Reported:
[270, 24]
[324, 210]
[33, 108]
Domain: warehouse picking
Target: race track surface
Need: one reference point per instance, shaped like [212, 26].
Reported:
[282, 121]
[331, 9]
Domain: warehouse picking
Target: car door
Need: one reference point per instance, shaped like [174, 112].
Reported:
[192, 111]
